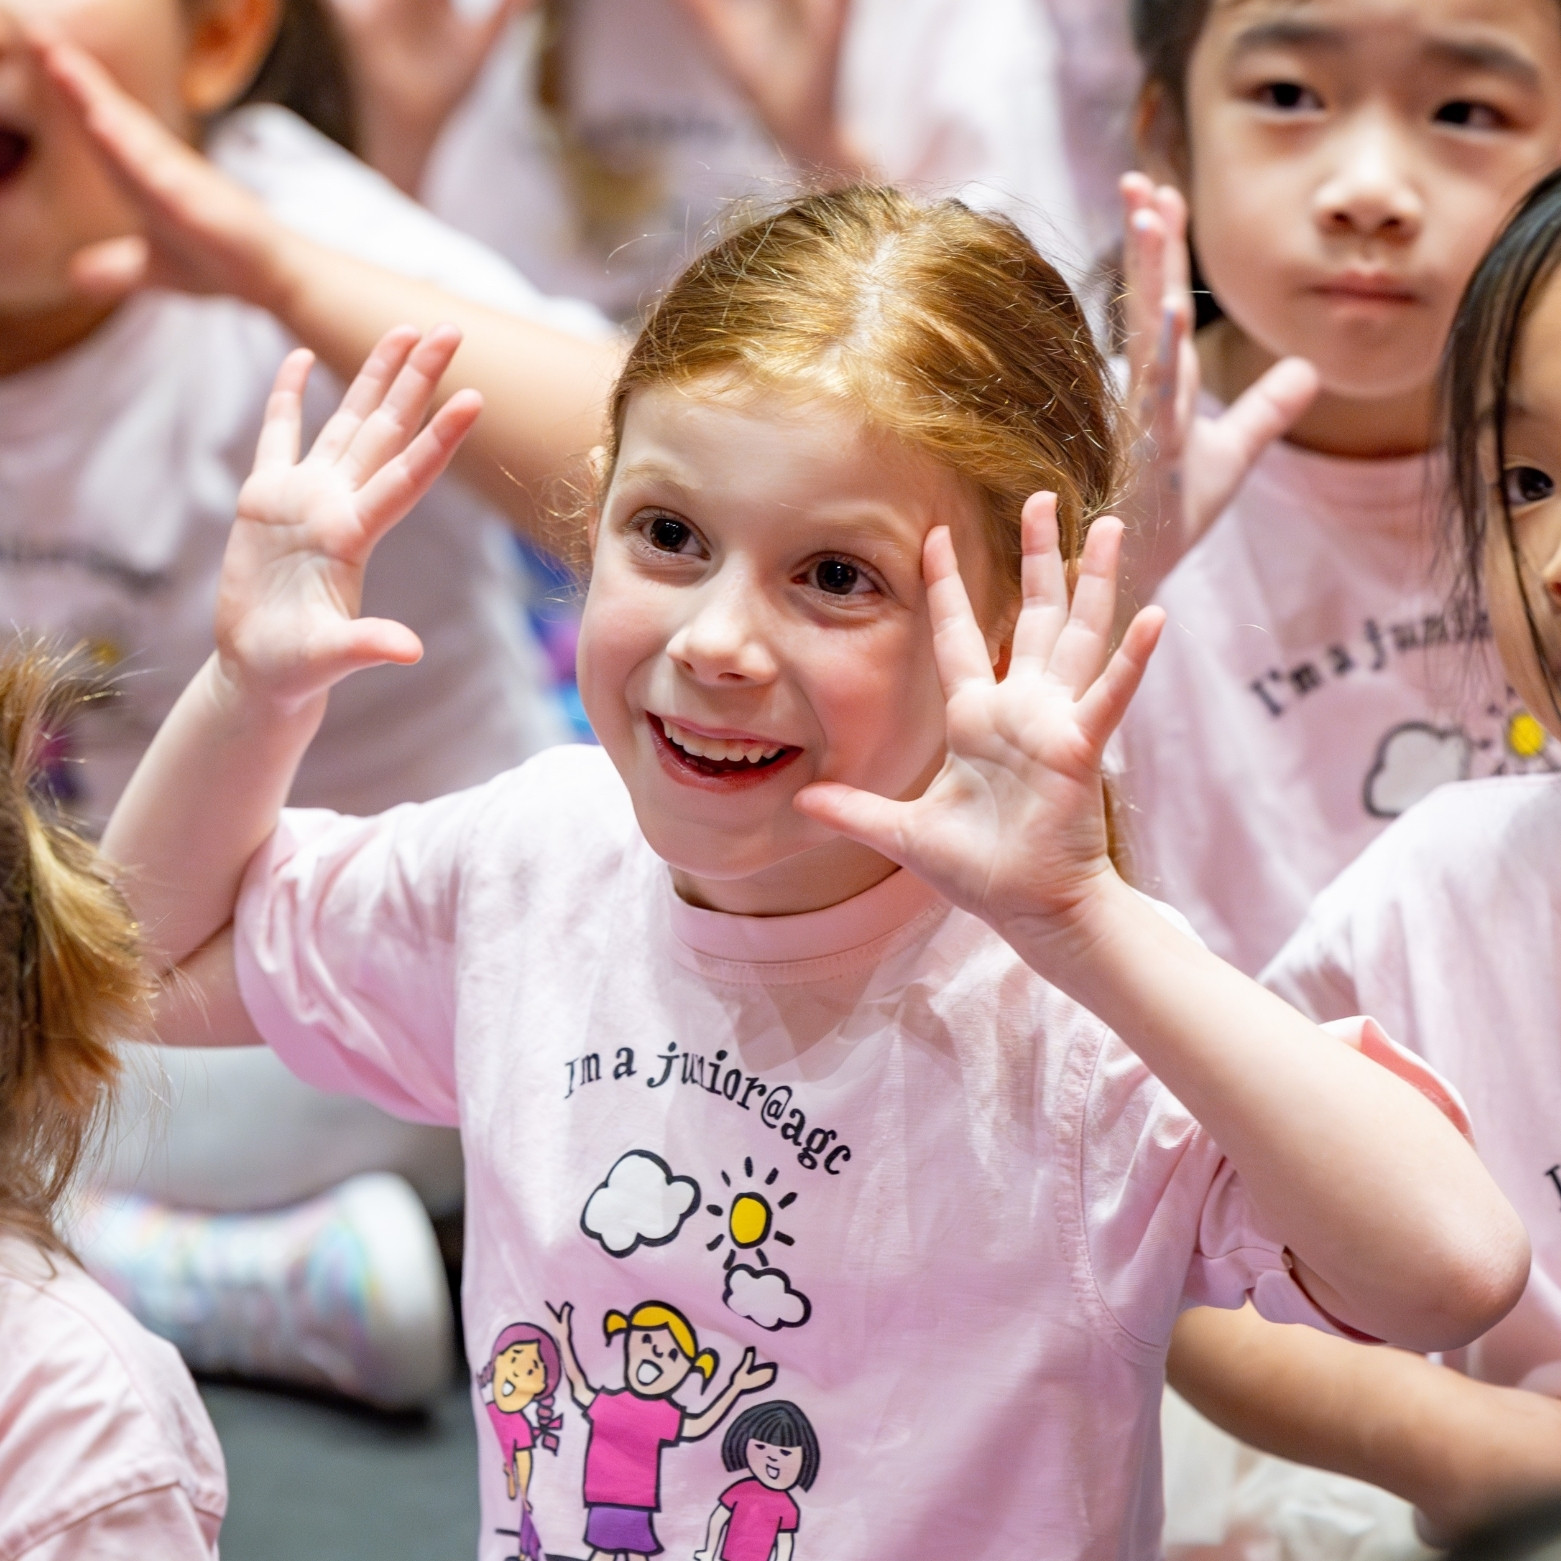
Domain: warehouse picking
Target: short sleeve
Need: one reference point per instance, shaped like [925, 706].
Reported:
[345, 951]
[162, 1523]
[729, 1496]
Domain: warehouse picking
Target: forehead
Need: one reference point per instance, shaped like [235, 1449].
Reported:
[1536, 385]
[788, 454]
[1435, 26]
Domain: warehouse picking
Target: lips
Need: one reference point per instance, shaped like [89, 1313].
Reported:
[731, 761]
[15, 148]
[1368, 289]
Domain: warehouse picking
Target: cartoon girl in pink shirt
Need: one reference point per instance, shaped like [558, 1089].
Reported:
[775, 1446]
[630, 1425]
[523, 1370]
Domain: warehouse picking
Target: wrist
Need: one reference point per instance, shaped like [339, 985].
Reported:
[245, 704]
[1076, 928]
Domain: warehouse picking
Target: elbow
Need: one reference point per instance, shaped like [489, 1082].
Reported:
[1478, 1285]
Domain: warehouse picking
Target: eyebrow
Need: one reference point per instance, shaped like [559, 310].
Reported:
[1461, 53]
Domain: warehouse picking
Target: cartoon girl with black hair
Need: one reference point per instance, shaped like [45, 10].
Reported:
[756, 1519]
[523, 1373]
[630, 1425]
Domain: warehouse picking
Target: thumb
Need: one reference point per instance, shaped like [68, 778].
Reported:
[1268, 409]
[371, 642]
[862, 816]
[112, 269]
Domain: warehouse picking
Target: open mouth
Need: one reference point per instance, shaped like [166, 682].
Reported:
[15, 148]
[715, 758]
[647, 1374]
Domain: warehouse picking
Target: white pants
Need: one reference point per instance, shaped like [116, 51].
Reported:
[230, 1129]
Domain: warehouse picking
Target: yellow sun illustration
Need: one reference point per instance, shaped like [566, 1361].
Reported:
[1525, 736]
[750, 1217]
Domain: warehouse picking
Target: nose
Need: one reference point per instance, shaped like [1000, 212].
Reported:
[1370, 192]
[721, 642]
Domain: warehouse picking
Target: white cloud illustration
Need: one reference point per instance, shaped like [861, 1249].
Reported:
[1412, 760]
[641, 1204]
[765, 1296]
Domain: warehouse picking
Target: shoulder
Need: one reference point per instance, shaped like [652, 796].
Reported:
[93, 1409]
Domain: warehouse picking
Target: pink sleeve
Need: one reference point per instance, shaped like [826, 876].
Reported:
[345, 951]
[161, 1523]
[1161, 1200]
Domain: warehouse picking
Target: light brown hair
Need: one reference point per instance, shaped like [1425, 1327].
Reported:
[938, 324]
[71, 977]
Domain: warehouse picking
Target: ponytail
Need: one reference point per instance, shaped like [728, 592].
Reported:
[306, 71]
[71, 977]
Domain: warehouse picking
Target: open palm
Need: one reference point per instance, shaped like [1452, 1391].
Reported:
[1188, 465]
[292, 576]
[1013, 827]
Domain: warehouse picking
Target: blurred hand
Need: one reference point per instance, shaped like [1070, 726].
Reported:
[412, 62]
[785, 56]
[200, 231]
[1187, 467]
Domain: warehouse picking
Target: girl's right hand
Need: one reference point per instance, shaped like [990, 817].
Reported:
[200, 231]
[1187, 466]
[292, 576]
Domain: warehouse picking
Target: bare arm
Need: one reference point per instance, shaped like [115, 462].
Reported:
[544, 389]
[715, 1532]
[1459, 1450]
[208, 791]
[580, 1389]
[748, 1378]
[1396, 1227]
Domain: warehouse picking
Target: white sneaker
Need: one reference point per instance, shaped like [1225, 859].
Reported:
[345, 1292]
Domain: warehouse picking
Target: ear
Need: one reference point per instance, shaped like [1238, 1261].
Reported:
[1160, 136]
[226, 44]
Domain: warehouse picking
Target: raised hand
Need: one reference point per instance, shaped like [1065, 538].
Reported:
[1187, 466]
[200, 232]
[785, 56]
[292, 576]
[1013, 827]
[749, 1378]
[412, 61]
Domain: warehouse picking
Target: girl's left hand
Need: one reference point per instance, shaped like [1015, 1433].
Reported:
[201, 232]
[785, 56]
[1013, 827]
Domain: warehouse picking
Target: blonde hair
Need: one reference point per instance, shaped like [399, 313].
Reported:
[657, 1314]
[941, 325]
[71, 977]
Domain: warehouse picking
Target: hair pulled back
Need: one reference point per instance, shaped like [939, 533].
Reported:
[1477, 369]
[71, 977]
[1165, 32]
[938, 324]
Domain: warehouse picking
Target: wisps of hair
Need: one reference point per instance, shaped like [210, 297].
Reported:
[72, 981]
[940, 325]
[1482, 351]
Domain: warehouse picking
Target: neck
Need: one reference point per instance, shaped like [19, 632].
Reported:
[813, 881]
[30, 338]
[1358, 428]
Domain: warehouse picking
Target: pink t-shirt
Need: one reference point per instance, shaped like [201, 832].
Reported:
[623, 1456]
[106, 1451]
[513, 1430]
[759, 1516]
[1311, 684]
[1448, 928]
[870, 1144]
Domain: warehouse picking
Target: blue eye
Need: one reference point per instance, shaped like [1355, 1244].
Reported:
[1526, 485]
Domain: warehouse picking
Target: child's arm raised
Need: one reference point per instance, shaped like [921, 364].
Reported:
[580, 1389]
[209, 789]
[1395, 1227]
[1462, 1451]
[1186, 466]
[545, 390]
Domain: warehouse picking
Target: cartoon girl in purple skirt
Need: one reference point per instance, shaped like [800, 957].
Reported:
[522, 1374]
[630, 1425]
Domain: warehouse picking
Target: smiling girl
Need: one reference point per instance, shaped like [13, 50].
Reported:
[845, 839]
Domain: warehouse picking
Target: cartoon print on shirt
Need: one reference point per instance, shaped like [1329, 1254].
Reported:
[523, 1372]
[1528, 745]
[756, 1518]
[631, 1425]
[763, 1295]
[641, 1203]
[1412, 760]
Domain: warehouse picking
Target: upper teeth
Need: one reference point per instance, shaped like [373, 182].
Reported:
[718, 747]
